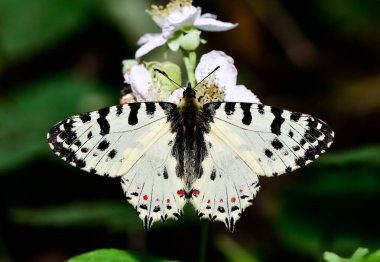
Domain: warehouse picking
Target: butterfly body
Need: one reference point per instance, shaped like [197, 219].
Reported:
[210, 155]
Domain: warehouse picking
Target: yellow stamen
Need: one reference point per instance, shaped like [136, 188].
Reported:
[164, 11]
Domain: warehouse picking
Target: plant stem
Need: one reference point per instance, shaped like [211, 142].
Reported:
[204, 238]
[190, 58]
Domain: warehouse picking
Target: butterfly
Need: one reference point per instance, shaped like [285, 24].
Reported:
[209, 154]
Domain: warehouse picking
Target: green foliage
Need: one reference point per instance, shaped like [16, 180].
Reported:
[322, 211]
[360, 255]
[351, 17]
[233, 251]
[28, 26]
[115, 216]
[115, 255]
[28, 114]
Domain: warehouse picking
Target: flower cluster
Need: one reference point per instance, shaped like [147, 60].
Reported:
[181, 24]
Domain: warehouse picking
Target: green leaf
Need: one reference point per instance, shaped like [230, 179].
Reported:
[115, 255]
[373, 257]
[32, 25]
[360, 255]
[27, 115]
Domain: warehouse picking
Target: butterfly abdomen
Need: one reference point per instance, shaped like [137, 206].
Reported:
[189, 147]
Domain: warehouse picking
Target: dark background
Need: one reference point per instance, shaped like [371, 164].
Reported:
[63, 57]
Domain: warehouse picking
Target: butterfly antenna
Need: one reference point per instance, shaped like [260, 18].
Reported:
[213, 71]
[166, 75]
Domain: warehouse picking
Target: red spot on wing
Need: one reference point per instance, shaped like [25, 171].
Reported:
[208, 201]
[181, 192]
[221, 200]
[168, 200]
[241, 190]
[195, 192]
[145, 197]
[233, 199]
[157, 199]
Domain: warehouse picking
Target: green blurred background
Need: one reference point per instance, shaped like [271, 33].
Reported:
[63, 57]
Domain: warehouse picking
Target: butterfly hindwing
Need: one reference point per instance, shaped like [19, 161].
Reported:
[152, 185]
[227, 185]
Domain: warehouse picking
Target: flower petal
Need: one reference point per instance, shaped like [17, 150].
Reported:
[176, 96]
[179, 17]
[208, 23]
[141, 82]
[225, 76]
[208, 15]
[240, 93]
[150, 42]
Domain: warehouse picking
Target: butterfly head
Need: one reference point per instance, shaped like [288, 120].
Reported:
[189, 99]
[189, 92]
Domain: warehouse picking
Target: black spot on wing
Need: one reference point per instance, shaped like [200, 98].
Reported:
[150, 108]
[103, 122]
[165, 174]
[247, 116]
[103, 145]
[89, 135]
[260, 107]
[300, 161]
[84, 149]
[268, 153]
[229, 108]
[295, 116]
[277, 144]
[277, 121]
[213, 175]
[119, 110]
[112, 153]
[69, 136]
[132, 118]
[85, 117]
[221, 209]
[296, 148]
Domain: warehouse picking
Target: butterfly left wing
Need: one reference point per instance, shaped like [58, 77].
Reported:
[131, 141]
[247, 140]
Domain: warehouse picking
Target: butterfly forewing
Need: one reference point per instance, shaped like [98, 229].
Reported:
[270, 141]
[103, 141]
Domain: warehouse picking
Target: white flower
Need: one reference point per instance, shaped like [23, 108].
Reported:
[178, 14]
[147, 84]
[219, 86]
[141, 82]
[224, 79]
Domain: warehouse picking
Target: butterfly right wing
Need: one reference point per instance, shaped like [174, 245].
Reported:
[131, 141]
